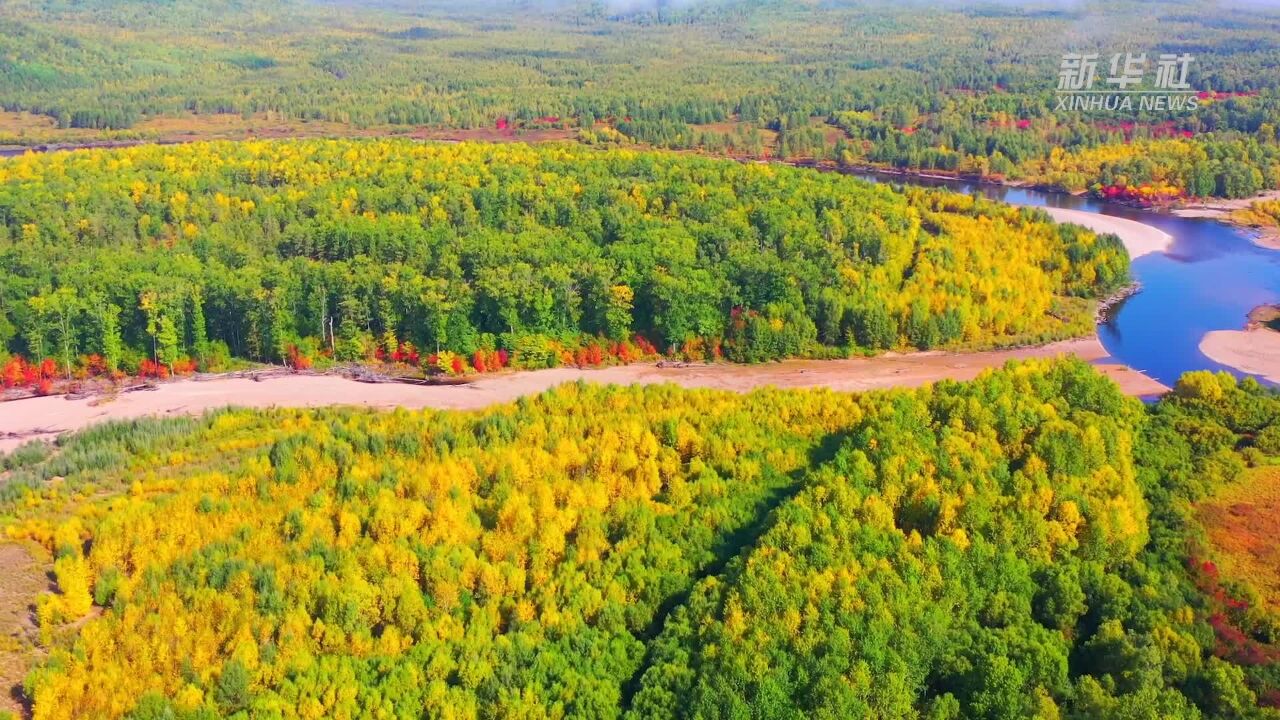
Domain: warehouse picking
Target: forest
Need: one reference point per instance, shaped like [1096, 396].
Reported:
[1022, 545]
[165, 259]
[918, 86]
[421, 191]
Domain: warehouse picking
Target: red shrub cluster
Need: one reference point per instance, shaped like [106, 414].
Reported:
[1141, 194]
[701, 349]
[1232, 643]
[489, 360]
[20, 373]
[646, 348]
[589, 355]
[1021, 124]
[1270, 698]
[152, 369]
[625, 352]
[12, 374]
[405, 352]
[595, 353]
[296, 360]
[94, 365]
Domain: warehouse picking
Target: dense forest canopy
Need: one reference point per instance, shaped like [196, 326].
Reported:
[950, 88]
[353, 248]
[1025, 545]
[1017, 546]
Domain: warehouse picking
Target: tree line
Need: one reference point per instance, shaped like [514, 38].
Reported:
[354, 249]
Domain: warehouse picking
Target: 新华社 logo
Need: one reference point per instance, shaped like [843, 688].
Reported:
[1121, 85]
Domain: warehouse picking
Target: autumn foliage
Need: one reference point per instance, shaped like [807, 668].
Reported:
[18, 372]
[635, 552]
[557, 255]
[296, 360]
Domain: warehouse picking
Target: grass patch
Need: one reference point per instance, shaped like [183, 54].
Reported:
[1242, 524]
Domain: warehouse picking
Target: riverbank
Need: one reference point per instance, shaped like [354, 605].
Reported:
[47, 417]
[1256, 351]
[1139, 239]
[1226, 211]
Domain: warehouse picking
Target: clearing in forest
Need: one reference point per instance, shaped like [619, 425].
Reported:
[1242, 522]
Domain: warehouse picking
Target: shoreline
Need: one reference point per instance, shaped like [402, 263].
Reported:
[45, 418]
[1139, 238]
[1223, 210]
[1255, 351]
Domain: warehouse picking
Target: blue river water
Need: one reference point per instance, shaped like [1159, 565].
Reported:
[1210, 278]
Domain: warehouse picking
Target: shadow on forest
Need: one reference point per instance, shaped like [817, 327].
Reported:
[734, 545]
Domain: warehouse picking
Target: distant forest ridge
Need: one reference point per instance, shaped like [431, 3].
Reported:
[947, 89]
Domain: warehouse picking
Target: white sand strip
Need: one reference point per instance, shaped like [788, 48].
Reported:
[1138, 238]
[48, 417]
[1256, 352]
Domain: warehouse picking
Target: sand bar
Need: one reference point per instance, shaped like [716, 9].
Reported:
[1138, 238]
[1221, 208]
[48, 417]
[1256, 352]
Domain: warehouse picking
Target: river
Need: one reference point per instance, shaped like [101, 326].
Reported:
[1210, 278]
